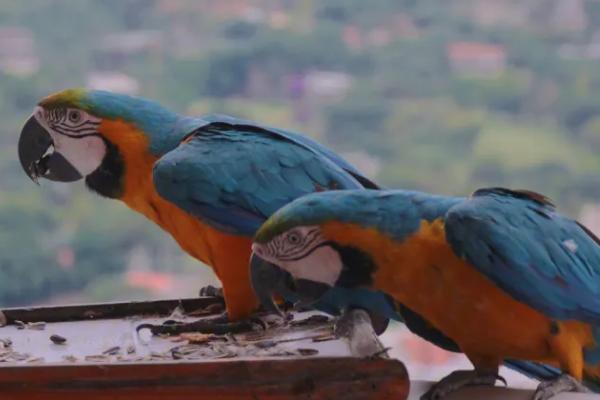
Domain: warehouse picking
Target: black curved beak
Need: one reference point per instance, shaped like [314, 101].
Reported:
[38, 158]
[268, 280]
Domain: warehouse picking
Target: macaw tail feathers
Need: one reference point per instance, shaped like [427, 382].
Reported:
[533, 370]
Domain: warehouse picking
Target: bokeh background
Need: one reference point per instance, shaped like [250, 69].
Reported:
[444, 96]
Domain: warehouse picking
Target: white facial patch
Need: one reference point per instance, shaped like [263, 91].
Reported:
[323, 265]
[304, 253]
[75, 137]
[85, 154]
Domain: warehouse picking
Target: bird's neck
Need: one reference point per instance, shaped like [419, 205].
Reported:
[396, 261]
[131, 147]
[133, 185]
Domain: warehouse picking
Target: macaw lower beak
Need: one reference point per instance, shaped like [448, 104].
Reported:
[268, 280]
[38, 158]
[309, 292]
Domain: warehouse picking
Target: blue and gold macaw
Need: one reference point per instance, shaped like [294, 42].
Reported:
[501, 274]
[209, 181]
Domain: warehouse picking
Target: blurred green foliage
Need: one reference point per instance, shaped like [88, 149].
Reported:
[534, 124]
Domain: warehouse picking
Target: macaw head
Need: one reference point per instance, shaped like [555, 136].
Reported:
[79, 133]
[304, 247]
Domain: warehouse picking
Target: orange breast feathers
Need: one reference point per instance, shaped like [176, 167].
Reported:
[228, 255]
[423, 273]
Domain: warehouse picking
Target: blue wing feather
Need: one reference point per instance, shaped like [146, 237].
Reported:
[298, 139]
[535, 254]
[233, 175]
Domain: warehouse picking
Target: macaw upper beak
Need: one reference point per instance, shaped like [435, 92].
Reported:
[37, 157]
[268, 279]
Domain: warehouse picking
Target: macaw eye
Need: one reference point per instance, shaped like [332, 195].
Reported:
[293, 238]
[74, 116]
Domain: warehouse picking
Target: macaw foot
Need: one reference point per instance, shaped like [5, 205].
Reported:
[218, 325]
[564, 383]
[211, 291]
[460, 379]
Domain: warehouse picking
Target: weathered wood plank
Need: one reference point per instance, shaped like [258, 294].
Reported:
[105, 310]
[317, 378]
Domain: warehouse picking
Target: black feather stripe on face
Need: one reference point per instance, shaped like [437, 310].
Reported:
[58, 120]
[358, 267]
[108, 179]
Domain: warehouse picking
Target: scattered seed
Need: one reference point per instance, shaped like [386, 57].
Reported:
[38, 326]
[308, 352]
[196, 338]
[281, 353]
[324, 338]
[159, 356]
[70, 358]
[112, 351]
[265, 344]
[312, 320]
[57, 339]
[19, 356]
[176, 339]
[228, 354]
[185, 349]
[96, 358]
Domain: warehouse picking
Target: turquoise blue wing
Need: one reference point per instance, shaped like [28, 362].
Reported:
[538, 256]
[298, 139]
[235, 176]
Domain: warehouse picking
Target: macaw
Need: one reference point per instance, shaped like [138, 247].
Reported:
[209, 181]
[501, 273]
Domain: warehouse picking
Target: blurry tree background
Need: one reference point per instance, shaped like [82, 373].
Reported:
[444, 96]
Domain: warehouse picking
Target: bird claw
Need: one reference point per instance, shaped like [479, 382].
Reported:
[564, 383]
[459, 379]
[200, 326]
[218, 325]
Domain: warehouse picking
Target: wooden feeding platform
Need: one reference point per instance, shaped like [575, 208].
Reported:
[95, 351]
